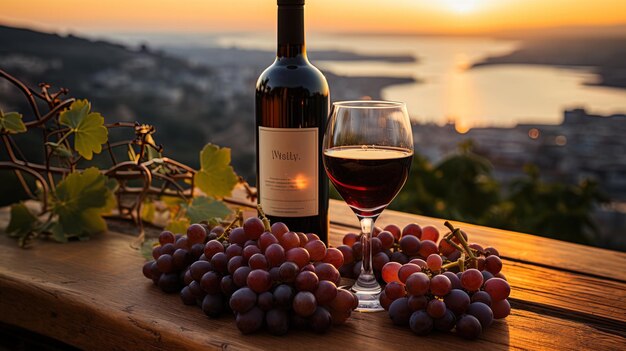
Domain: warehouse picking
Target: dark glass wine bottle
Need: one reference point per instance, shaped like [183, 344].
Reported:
[292, 102]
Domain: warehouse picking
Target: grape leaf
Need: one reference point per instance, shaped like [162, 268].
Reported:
[216, 177]
[204, 208]
[22, 221]
[178, 226]
[80, 201]
[88, 128]
[147, 247]
[11, 122]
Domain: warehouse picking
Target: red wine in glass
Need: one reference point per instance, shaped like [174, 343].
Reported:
[368, 177]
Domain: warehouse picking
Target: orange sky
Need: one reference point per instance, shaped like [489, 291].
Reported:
[447, 16]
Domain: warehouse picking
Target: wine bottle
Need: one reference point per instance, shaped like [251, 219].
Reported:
[292, 103]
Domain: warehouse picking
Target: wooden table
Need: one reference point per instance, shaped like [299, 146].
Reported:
[92, 295]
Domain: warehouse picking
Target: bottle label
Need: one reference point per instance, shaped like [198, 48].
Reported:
[288, 171]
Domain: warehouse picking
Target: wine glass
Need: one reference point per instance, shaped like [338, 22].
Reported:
[367, 152]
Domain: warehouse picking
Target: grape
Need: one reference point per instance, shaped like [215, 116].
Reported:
[181, 243]
[394, 230]
[348, 257]
[187, 297]
[265, 301]
[497, 288]
[421, 323]
[218, 230]
[457, 301]
[434, 262]
[493, 264]
[306, 281]
[326, 271]
[480, 263]
[237, 236]
[445, 248]
[234, 250]
[377, 245]
[440, 285]
[168, 249]
[500, 275]
[379, 260]
[309, 267]
[234, 263]
[275, 274]
[385, 302]
[395, 290]
[242, 300]
[390, 272]
[213, 305]
[258, 261]
[491, 251]
[455, 255]
[155, 273]
[399, 257]
[210, 282]
[417, 302]
[187, 279]
[147, 269]
[288, 271]
[410, 245]
[250, 321]
[196, 234]
[454, 280]
[406, 270]
[321, 320]
[472, 279]
[486, 275]
[436, 308]
[304, 303]
[266, 239]
[468, 327]
[445, 323]
[227, 285]
[298, 255]
[430, 233]
[248, 251]
[278, 229]
[482, 312]
[253, 227]
[326, 292]
[357, 251]
[196, 290]
[212, 247]
[219, 261]
[428, 248]
[196, 251]
[316, 249]
[165, 263]
[501, 308]
[386, 239]
[277, 321]
[240, 277]
[418, 284]
[166, 237]
[303, 238]
[481, 296]
[283, 295]
[350, 238]
[180, 259]
[250, 242]
[477, 247]
[156, 252]
[259, 280]
[312, 236]
[289, 240]
[275, 255]
[412, 229]
[334, 257]
[421, 263]
[344, 301]
[399, 311]
[169, 282]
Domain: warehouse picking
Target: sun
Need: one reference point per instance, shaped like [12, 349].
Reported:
[461, 6]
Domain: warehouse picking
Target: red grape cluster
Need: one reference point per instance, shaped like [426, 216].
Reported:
[453, 285]
[267, 276]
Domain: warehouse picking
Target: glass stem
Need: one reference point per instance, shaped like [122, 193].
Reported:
[367, 229]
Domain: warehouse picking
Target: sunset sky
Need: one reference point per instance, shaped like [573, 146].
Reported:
[442, 16]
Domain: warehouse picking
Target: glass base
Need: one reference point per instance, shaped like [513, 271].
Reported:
[368, 292]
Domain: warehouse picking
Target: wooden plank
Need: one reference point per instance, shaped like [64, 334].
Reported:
[93, 295]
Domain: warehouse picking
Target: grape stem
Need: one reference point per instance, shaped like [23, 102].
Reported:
[456, 232]
[238, 218]
[266, 222]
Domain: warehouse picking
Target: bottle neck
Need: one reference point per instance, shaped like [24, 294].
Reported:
[291, 31]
